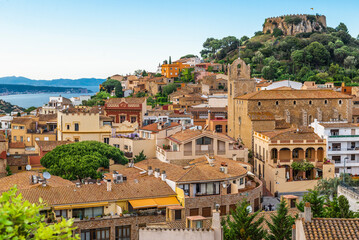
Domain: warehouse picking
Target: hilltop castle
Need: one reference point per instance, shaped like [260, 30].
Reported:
[294, 24]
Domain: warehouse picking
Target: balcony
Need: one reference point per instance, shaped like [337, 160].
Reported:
[128, 154]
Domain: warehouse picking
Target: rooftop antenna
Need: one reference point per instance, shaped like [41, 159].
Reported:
[28, 167]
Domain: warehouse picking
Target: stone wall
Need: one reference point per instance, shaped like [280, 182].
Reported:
[135, 222]
[352, 197]
[304, 23]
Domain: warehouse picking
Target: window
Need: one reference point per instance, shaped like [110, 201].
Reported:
[37, 139]
[178, 214]
[310, 102]
[352, 157]
[46, 138]
[19, 168]
[106, 140]
[22, 127]
[122, 118]
[340, 102]
[68, 126]
[87, 212]
[76, 126]
[206, 212]
[325, 102]
[226, 128]
[203, 141]
[276, 103]
[294, 102]
[259, 104]
[185, 188]
[116, 145]
[96, 234]
[76, 139]
[15, 138]
[241, 181]
[199, 224]
[123, 232]
[133, 119]
[203, 189]
[21, 139]
[223, 210]
[15, 127]
[336, 159]
[61, 213]
[219, 128]
[336, 146]
[334, 132]
[194, 212]
[352, 132]
[28, 139]
[126, 147]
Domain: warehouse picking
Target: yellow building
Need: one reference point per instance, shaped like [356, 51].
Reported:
[173, 70]
[31, 129]
[275, 153]
[88, 124]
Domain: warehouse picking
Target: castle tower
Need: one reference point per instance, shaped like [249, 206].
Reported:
[239, 83]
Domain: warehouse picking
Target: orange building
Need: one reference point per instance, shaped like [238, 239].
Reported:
[173, 70]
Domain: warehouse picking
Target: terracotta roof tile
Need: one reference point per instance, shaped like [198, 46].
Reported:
[22, 181]
[292, 134]
[95, 110]
[331, 228]
[154, 126]
[127, 100]
[293, 94]
[188, 134]
[16, 145]
[47, 146]
[21, 120]
[338, 125]
[148, 187]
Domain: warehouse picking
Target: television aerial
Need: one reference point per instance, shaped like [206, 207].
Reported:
[28, 167]
[249, 209]
[46, 175]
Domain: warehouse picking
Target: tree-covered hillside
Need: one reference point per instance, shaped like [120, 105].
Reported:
[328, 56]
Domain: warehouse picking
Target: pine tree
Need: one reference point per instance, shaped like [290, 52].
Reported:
[140, 157]
[241, 224]
[281, 225]
[170, 61]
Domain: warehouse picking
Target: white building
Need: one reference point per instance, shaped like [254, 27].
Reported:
[342, 144]
[5, 122]
[55, 104]
[78, 100]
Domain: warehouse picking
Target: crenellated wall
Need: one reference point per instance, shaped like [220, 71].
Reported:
[295, 23]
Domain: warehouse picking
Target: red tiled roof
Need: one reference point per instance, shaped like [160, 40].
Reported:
[154, 127]
[16, 145]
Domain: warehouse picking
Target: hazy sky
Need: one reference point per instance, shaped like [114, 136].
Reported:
[46, 39]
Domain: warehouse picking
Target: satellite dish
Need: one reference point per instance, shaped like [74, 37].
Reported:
[46, 175]
[28, 167]
[249, 209]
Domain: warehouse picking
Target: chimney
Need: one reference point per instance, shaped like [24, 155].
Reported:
[224, 167]
[115, 174]
[159, 126]
[216, 222]
[78, 184]
[157, 173]
[131, 164]
[294, 232]
[109, 185]
[307, 212]
[150, 171]
[163, 175]
[209, 115]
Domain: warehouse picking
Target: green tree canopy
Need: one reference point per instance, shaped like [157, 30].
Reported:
[242, 225]
[281, 225]
[168, 89]
[21, 219]
[140, 157]
[81, 159]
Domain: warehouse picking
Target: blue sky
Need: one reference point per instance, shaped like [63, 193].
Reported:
[46, 39]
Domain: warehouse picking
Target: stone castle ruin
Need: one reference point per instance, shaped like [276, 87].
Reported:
[294, 24]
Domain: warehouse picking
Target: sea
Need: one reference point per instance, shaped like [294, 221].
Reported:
[37, 100]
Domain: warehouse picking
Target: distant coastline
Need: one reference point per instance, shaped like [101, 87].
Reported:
[14, 89]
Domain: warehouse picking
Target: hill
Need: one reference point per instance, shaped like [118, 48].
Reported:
[6, 107]
[7, 89]
[323, 55]
[82, 82]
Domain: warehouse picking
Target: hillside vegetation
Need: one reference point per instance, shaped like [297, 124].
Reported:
[328, 56]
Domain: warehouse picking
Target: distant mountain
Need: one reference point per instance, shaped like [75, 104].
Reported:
[9, 89]
[82, 82]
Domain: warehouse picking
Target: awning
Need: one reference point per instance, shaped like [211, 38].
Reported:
[154, 202]
[84, 205]
[143, 203]
[168, 201]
